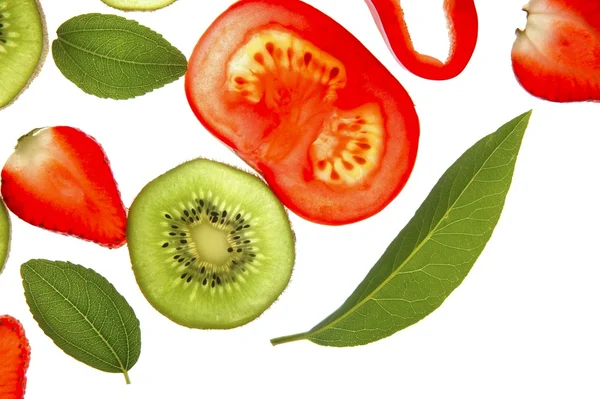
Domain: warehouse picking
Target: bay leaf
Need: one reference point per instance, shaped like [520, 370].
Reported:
[83, 314]
[433, 253]
[113, 57]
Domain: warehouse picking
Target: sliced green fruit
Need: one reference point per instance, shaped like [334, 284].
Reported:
[23, 46]
[138, 5]
[211, 246]
[4, 235]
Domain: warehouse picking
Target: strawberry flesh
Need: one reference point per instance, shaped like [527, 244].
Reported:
[14, 358]
[59, 179]
[557, 56]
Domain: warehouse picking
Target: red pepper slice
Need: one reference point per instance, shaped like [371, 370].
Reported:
[304, 103]
[462, 26]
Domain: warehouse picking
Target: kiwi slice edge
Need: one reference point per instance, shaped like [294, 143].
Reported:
[13, 84]
[4, 235]
[138, 5]
[211, 246]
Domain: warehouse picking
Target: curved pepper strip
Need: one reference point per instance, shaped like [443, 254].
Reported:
[462, 26]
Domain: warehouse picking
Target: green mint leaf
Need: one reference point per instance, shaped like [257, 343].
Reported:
[83, 314]
[113, 57]
[432, 255]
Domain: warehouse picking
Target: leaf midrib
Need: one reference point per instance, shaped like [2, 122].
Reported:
[114, 353]
[119, 60]
[417, 248]
[119, 88]
[64, 32]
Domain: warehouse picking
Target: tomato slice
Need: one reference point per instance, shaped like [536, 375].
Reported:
[303, 102]
[463, 30]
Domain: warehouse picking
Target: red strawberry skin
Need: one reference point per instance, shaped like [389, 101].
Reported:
[60, 179]
[557, 56]
[14, 358]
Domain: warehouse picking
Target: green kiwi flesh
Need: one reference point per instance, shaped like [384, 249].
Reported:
[23, 46]
[138, 5]
[4, 235]
[210, 245]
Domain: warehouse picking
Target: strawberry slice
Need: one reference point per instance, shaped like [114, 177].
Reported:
[557, 56]
[14, 358]
[59, 179]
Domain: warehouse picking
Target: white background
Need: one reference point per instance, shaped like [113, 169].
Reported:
[524, 324]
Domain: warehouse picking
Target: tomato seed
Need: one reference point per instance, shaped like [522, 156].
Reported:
[359, 160]
[334, 72]
[307, 58]
[258, 57]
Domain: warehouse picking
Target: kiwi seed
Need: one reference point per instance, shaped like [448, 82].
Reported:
[211, 246]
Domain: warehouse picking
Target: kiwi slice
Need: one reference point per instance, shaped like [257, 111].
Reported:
[23, 46]
[4, 234]
[138, 5]
[211, 246]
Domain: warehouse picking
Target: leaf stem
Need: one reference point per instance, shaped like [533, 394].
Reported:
[127, 380]
[288, 338]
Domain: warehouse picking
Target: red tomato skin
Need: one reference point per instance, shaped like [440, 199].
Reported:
[242, 126]
[463, 26]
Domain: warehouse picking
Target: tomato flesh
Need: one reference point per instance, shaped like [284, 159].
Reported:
[304, 103]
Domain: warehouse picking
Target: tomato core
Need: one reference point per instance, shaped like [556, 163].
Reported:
[297, 84]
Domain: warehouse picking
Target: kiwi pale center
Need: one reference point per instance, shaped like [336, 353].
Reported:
[300, 82]
[211, 243]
